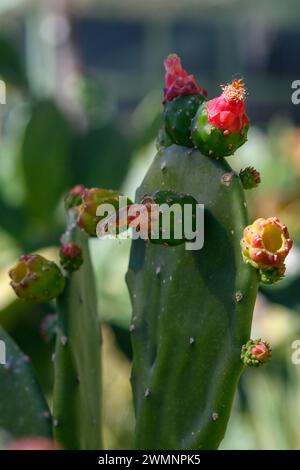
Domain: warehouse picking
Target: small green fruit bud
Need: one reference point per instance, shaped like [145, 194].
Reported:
[71, 256]
[178, 117]
[255, 353]
[36, 279]
[250, 177]
[91, 200]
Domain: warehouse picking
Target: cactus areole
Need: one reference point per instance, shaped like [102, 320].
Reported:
[192, 310]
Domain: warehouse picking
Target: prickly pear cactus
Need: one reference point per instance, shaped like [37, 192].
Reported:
[77, 390]
[192, 310]
[23, 408]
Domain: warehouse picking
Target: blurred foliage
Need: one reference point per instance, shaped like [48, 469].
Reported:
[11, 67]
[45, 149]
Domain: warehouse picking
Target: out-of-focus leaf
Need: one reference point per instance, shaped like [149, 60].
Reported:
[101, 157]
[11, 67]
[11, 219]
[45, 155]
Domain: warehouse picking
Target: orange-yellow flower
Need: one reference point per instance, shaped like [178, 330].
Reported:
[266, 243]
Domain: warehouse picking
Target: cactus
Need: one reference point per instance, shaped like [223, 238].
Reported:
[188, 326]
[23, 408]
[250, 177]
[192, 310]
[77, 389]
[192, 304]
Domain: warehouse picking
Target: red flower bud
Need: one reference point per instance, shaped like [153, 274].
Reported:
[71, 256]
[178, 81]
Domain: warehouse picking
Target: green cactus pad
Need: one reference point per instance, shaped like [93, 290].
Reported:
[178, 117]
[23, 408]
[212, 141]
[192, 310]
[77, 389]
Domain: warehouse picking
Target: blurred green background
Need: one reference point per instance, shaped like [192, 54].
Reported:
[83, 99]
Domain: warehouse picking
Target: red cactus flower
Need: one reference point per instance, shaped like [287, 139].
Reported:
[178, 81]
[228, 111]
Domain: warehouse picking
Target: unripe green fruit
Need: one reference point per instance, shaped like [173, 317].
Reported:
[36, 279]
[250, 177]
[212, 141]
[178, 117]
[91, 200]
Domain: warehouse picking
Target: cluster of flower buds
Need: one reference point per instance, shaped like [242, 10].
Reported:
[255, 353]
